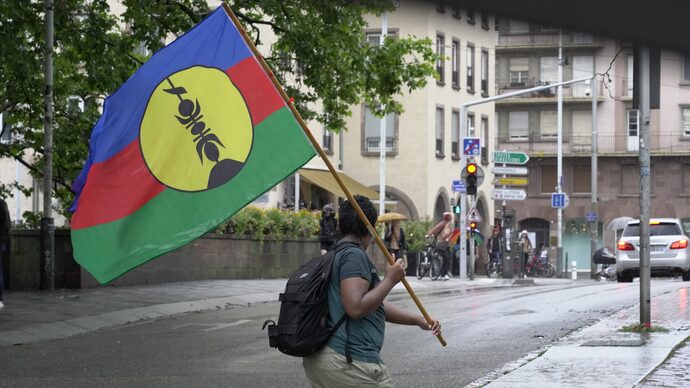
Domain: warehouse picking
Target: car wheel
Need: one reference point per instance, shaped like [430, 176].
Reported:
[686, 276]
[624, 277]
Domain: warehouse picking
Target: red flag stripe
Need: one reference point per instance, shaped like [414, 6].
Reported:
[256, 88]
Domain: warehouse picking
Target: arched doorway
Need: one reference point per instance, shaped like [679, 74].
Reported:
[442, 205]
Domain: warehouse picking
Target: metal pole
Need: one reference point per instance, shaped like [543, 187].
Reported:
[297, 191]
[594, 224]
[382, 139]
[463, 197]
[559, 174]
[644, 94]
[47, 223]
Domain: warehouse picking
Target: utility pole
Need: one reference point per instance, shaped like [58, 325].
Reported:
[463, 196]
[644, 106]
[559, 174]
[593, 225]
[47, 223]
[382, 138]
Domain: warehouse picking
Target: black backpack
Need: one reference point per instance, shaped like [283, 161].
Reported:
[302, 327]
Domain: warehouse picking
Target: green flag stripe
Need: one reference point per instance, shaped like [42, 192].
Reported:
[174, 218]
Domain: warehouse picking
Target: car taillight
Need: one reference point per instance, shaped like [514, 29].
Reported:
[680, 244]
[625, 246]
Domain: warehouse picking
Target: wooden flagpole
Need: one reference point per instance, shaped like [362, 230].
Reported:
[323, 156]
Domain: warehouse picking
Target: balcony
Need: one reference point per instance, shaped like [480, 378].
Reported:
[371, 144]
[532, 38]
[574, 92]
[581, 145]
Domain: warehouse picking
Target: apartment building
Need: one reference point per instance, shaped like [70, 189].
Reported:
[527, 56]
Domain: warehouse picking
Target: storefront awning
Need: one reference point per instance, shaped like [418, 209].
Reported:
[325, 180]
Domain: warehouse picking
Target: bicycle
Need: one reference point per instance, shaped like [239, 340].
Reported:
[494, 267]
[539, 265]
[429, 260]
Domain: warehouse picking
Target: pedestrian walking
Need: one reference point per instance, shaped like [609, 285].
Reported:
[394, 240]
[525, 246]
[352, 356]
[4, 243]
[328, 228]
[494, 245]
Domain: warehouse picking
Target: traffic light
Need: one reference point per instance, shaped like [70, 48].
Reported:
[473, 226]
[456, 209]
[471, 180]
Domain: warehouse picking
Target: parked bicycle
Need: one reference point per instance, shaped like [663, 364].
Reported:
[494, 267]
[430, 260]
[538, 264]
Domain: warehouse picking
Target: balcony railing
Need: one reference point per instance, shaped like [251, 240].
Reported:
[534, 37]
[606, 144]
[371, 144]
[578, 90]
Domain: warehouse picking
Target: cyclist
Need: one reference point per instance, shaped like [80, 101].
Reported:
[443, 230]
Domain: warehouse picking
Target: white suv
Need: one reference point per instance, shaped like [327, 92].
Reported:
[668, 250]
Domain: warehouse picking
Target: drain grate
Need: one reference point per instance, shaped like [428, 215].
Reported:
[613, 342]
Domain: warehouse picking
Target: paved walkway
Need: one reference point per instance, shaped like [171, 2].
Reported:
[596, 356]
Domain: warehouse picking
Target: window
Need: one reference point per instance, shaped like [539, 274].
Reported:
[583, 67]
[372, 132]
[439, 131]
[518, 125]
[548, 179]
[582, 179]
[440, 62]
[548, 124]
[629, 77]
[485, 73]
[518, 27]
[455, 62]
[471, 132]
[686, 68]
[470, 68]
[582, 130]
[519, 71]
[327, 140]
[484, 139]
[470, 16]
[548, 69]
[455, 134]
[685, 121]
[485, 20]
[455, 12]
[633, 122]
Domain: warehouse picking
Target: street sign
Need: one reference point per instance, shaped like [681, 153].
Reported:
[473, 215]
[511, 170]
[560, 200]
[511, 181]
[458, 186]
[471, 146]
[510, 157]
[591, 216]
[508, 194]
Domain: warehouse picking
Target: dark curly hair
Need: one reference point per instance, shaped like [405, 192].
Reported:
[349, 222]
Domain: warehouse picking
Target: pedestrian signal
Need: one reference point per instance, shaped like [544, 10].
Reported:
[456, 209]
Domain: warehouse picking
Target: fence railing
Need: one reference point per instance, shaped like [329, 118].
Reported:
[582, 144]
[519, 37]
[371, 144]
[577, 90]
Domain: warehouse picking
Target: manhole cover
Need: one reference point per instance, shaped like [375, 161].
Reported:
[613, 342]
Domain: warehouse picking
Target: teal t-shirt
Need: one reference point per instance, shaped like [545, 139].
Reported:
[366, 334]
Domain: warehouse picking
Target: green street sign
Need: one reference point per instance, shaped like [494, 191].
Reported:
[510, 157]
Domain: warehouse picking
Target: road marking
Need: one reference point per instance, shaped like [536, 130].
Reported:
[213, 326]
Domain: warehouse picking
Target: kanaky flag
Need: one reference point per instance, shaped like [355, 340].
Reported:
[198, 132]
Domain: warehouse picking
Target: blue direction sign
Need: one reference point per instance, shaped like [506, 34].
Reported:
[591, 216]
[458, 186]
[559, 200]
[471, 146]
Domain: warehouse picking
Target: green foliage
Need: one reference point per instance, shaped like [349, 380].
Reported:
[96, 51]
[259, 223]
[415, 232]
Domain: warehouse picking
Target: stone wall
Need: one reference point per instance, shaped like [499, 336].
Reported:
[213, 256]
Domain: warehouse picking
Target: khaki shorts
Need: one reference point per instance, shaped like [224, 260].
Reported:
[327, 368]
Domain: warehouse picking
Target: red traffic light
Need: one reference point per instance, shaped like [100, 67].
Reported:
[473, 225]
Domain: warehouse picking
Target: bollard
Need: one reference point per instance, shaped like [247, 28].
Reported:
[573, 270]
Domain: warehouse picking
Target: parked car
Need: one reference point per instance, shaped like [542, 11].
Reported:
[668, 250]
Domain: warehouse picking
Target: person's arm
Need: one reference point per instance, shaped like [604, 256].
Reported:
[436, 229]
[359, 301]
[397, 315]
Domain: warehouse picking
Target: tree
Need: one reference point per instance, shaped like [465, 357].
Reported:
[317, 51]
